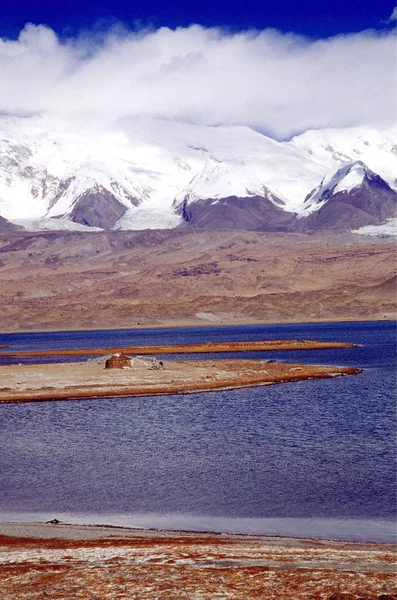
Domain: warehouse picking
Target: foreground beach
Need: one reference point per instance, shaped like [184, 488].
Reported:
[67, 381]
[40, 560]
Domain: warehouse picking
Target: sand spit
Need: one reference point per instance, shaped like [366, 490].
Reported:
[192, 348]
[67, 381]
[63, 561]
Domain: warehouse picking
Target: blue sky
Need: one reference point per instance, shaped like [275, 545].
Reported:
[313, 18]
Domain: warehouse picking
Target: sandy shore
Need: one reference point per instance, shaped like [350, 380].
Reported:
[63, 561]
[67, 381]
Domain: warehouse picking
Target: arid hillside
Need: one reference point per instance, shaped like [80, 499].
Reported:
[73, 280]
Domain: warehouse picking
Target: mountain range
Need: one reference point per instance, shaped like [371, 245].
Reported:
[137, 174]
[70, 280]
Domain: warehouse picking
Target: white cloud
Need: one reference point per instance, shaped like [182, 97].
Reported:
[393, 16]
[279, 83]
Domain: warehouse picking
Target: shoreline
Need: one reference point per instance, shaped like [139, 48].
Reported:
[38, 530]
[185, 324]
[85, 530]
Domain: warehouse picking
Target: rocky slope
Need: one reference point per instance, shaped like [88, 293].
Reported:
[351, 198]
[7, 226]
[144, 174]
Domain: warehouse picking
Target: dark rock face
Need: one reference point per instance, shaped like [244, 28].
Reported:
[7, 226]
[253, 213]
[97, 208]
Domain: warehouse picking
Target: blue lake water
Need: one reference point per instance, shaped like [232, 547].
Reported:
[311, 458]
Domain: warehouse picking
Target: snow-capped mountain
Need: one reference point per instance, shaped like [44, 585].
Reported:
[351, 175]
[141, 173]
[350, 198]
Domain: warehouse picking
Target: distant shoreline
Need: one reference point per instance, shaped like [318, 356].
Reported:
[185, 324]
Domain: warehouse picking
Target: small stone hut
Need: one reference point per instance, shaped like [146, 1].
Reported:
[119, 361]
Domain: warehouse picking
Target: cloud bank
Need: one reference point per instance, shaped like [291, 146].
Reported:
[275, 82]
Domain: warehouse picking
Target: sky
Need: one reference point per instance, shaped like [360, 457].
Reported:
[314, 18]
[280, 67]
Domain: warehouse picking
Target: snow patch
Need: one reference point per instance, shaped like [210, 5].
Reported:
[148, 218]
[388, 228]
[353, 178]
[52, 225]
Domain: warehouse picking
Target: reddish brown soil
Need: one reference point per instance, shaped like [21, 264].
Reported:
[205, 567]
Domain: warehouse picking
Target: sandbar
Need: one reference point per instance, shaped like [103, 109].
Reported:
[69, 381]
[207, 347]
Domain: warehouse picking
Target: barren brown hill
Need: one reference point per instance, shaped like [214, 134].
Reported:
[70, 280]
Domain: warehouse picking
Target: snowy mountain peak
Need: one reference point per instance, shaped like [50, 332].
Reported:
[137, 173]
[350, 198]
[221, 179]
[344, 179]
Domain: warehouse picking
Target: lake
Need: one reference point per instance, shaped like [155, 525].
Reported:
[311, 458]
